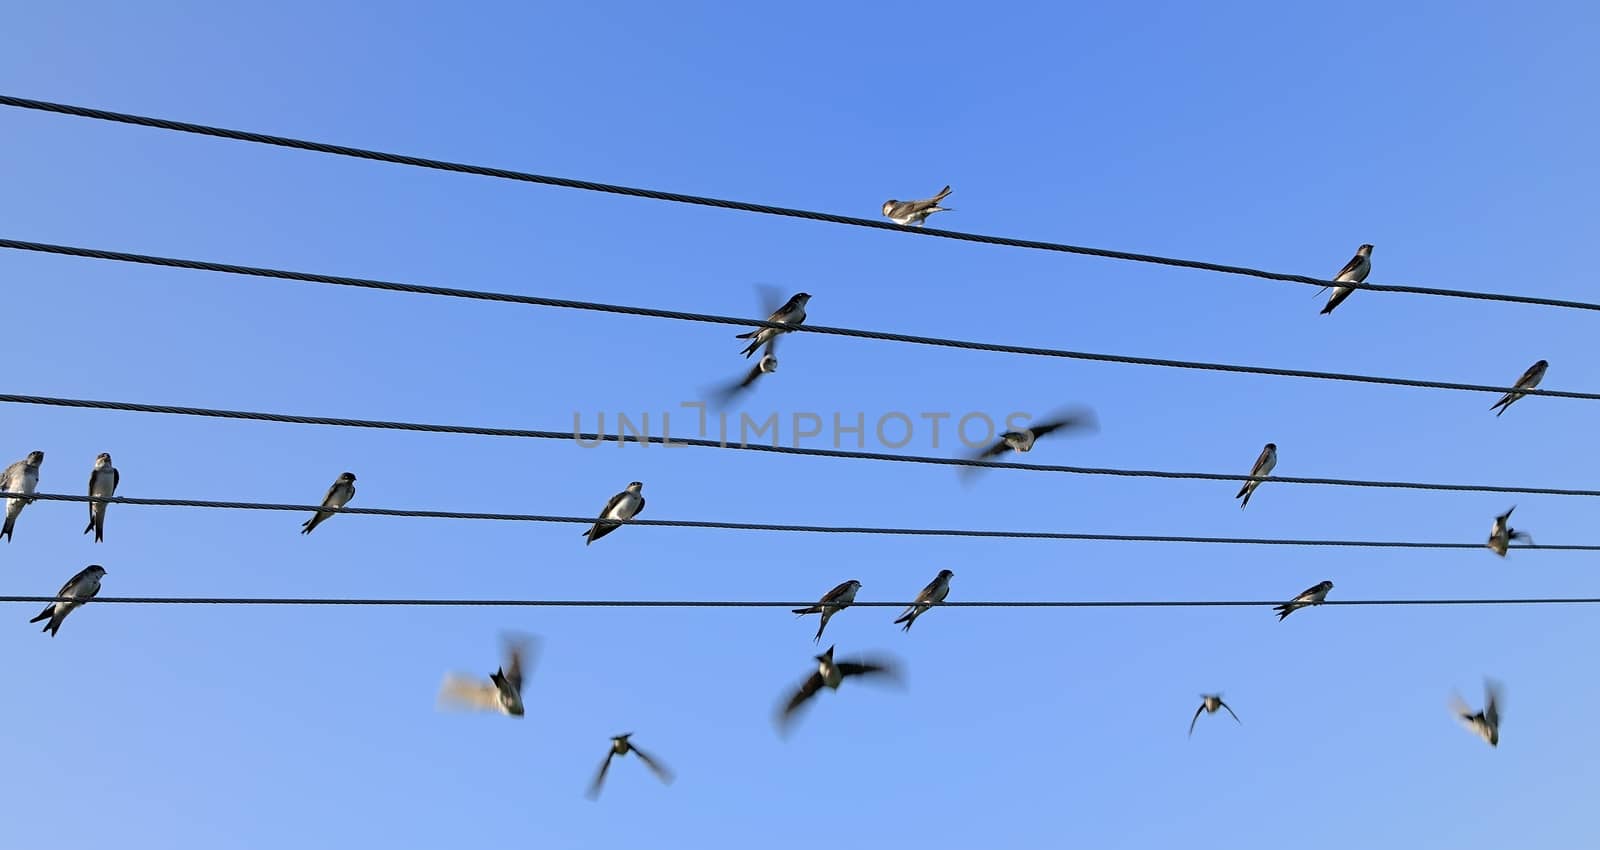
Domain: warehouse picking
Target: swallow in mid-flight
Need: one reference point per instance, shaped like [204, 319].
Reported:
[793, 312]
[78, 590]
[765, 366]
[930, 596]
[832, 602]
[339, 495]
[1022, 440]
[1312, 596]
[103, 480]
[1486, 723]
[915, 212]
[1355, 271]
[1529, 380]
[502, 692]
[621, 746]
[829, 674]
[1264, 465]
[19, 477]
[625, 505]
[1501, 534]
[1209, 703]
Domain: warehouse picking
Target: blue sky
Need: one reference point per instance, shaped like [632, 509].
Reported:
[1455, 137]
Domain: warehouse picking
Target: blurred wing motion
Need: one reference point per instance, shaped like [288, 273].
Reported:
[467, 693]
[600, 776]
[656, 767]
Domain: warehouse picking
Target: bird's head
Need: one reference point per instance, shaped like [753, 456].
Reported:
[853, 584]
[888, 205]
[769, 364]
[102, 460]
[1326, 585]
[347, 477]
[1272, 447]
[96, 570]
[801, 298]
[1542, 365]
[947, 574]
[1365, 250]
[635, 486]
[826, 657]
[35, 458]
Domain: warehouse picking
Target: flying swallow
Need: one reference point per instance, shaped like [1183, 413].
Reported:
[1486, 723]
[1312, 596]
[625, 505]
[793, 312]
[339, 495]
[1264, 464]
[765, 366]
[1501, 535]
[915, 212]
[829, 674]
[621, 746]
[1209, 704]
[1528, 381]
[930, 596]
[78, 590]
[1355, 271]
[1023, 440]
[502, 692]
[832, 602]
[103, 480]
[19, 477]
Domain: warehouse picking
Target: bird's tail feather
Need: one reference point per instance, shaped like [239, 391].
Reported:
[810, 610]
[45, 614]
[943, 193]
[750, 334]
[5, 531]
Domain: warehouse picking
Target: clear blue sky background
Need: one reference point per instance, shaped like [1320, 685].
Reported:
[1459, 138]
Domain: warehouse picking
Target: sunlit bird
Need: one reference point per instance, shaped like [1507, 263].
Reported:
[502, 692]
[1501, 534]
[621, 746]
[1209, 703]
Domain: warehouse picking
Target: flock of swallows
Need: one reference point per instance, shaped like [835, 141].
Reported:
[503, 690]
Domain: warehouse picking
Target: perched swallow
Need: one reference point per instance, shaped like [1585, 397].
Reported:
[339, 495]
[103, 480]
[1355, 271]
[19, 477]
[1209, 704]
[930, 596]
[832, 602]
[793, 312]
[1528, 381]
[1486, 723]
[1263, 468]
[1501, 535]
[1312, 596]
[503, 691]
[1023, 440]
[915, 212]
[79, 589]
[625, 505]
[621, 746]
[829, 674]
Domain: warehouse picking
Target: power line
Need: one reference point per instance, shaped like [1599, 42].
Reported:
[646, 439]
[710, 318]
[745, 206]
[811, 529]
[651, 603]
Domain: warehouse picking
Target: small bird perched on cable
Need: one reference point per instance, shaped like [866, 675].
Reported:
[1501, 534]
[932, 595]
[915, 212]
[1355, 271]
[793, 312]
[834, 601]
[1529, 380]
[829, 674]
[1486, 723]
[103, 481]
[625, 505]
[1209, 703]
[1313, 595]
[339, 495]
[503, 691]
[621, 746]
[19, 477]
[78, 590]
[1264, 465]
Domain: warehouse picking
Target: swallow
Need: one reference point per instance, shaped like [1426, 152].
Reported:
[1501, 535]
[1209, 703]
[765, 366]
[930, 596]
[1486, 723]
[1312, 596]
[19, 477]
[339, 495]
[625, 505]
[832, 602]
[793, 312]
[78, 590]
[1023, 440]
[829, 674]
[915, 212]
[1355, 271]
[103, 480]
[621, 746]
[503, 691]
[1528, 381]
[1264, 464]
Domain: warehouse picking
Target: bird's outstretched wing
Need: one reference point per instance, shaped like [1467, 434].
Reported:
[600, 776]
[1195, 718]
[807, 690]
[1230, 712]
[468, 693]
[659, 769]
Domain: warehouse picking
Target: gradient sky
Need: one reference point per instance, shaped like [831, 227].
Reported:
[1458, 138]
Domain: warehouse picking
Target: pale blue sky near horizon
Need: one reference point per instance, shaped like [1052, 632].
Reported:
[1459, 139]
